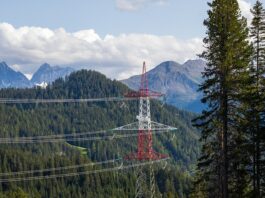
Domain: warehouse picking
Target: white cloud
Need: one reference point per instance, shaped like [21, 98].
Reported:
[245, 7]
[116, 56]
[88, 35]
[131, 5]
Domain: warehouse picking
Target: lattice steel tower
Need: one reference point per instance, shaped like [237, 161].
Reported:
[145, 150]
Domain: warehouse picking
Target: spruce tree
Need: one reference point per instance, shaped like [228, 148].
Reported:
[256, 99]
[228, 56]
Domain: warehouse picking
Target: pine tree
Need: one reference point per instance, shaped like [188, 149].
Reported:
[228, 56]
[256, 120]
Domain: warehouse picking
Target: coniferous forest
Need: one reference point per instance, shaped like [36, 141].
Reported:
[232, 160]
[24, 120]
[219, 153]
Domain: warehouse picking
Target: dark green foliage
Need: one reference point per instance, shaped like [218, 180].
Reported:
[44, 119]
[254, 103]
[222, 164]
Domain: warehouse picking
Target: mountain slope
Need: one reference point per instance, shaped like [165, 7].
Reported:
[49, 74]
[43, 119]
[178, 82]
[11, 78]
[44, 75]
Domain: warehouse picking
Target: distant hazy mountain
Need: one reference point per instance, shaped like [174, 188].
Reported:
[10, 78]
[48, 74]
[178, 82]
[43, 76]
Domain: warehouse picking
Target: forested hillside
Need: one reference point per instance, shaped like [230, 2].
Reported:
[44, 119]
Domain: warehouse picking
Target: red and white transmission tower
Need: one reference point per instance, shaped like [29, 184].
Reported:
[145, 142]
[145, 126]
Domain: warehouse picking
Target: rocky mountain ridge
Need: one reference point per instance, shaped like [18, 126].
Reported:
[46, 74]
[179, 83]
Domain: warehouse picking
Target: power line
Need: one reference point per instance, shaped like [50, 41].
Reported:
[55, 136]
[32, 101]
[108, 137]
[73, 135]
[59, 168]
[117, 168]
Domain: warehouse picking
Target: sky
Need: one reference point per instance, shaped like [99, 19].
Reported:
[110, 36]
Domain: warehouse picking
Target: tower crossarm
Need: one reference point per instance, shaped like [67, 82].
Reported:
[143, 93]
[155, 126]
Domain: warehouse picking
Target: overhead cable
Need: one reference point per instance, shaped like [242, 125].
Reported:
[117, 168]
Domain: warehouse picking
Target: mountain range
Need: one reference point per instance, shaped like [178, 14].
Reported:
[44, 75]
[179, 83]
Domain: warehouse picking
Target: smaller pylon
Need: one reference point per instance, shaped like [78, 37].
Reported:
[140, 183]
[152, 181]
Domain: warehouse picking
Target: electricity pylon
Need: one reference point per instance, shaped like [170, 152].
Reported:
[145, 126]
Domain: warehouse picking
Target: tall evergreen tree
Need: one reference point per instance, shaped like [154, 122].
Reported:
[228, 55]
[255, 100]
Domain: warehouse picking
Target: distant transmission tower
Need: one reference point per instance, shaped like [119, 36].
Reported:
[145, 150]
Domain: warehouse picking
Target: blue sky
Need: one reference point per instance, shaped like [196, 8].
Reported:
[112, 36]
[181, 18]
